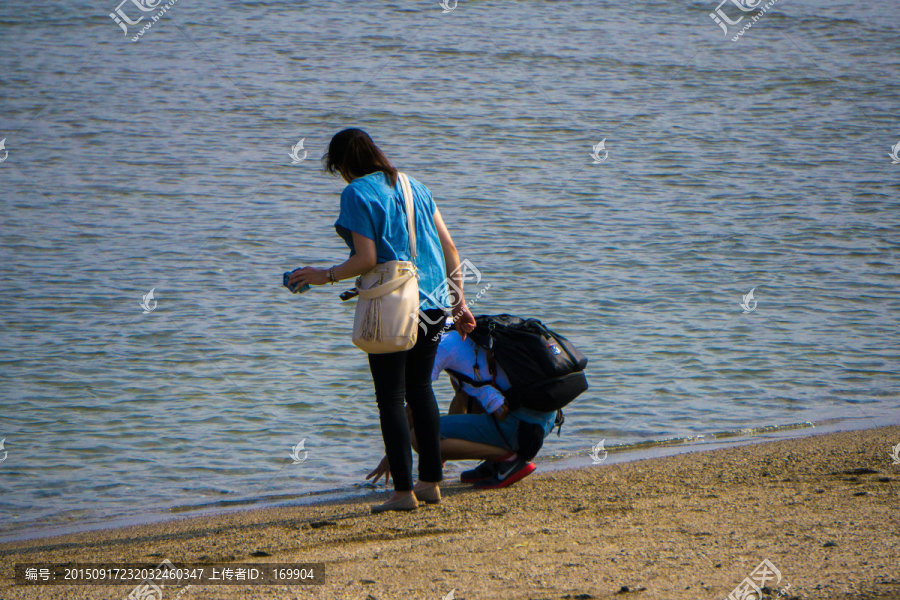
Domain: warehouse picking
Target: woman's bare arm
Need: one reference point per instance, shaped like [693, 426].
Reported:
[362, 261]
[463, 319]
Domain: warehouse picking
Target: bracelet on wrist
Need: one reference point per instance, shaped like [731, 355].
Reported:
[331, 276]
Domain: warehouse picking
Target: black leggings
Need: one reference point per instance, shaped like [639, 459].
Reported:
[407, 375]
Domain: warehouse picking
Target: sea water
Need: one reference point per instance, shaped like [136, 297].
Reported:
[625, 172]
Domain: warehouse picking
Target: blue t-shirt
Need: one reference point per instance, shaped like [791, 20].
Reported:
[373, 208]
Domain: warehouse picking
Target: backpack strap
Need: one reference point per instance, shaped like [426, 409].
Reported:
[477, 381]
[491, 363]
[475, 368]
[558, 423]
[492, 366]
[467, 379]
[500, 431]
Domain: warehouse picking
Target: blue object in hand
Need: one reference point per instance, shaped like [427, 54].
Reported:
[294, 288]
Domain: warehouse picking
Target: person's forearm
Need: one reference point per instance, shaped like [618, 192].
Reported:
[488, 396]
[354, 266]
[454, 277]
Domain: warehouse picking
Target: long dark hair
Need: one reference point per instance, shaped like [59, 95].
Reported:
[354, 152]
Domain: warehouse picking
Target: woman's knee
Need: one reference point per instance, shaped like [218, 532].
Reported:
[390, 399]
[419, 391]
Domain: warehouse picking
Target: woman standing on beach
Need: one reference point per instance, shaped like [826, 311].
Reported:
[373, 223]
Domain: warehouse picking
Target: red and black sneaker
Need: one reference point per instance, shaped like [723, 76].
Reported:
[507, 473]
[479, 473]
[483, 471]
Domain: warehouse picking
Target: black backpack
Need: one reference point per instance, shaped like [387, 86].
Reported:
[545, 371]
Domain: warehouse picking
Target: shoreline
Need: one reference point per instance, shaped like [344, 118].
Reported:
[628, 452]
[822, 508]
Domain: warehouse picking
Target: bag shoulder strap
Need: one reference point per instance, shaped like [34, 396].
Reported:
[470, 380]
[410, 213]
[387, 287]
[558, 423]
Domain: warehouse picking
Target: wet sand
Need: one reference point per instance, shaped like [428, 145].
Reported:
[824, 510]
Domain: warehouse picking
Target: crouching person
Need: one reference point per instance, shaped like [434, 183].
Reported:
[481, 425]
[505, 440]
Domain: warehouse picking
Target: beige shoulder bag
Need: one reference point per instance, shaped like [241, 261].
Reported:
[387, 312]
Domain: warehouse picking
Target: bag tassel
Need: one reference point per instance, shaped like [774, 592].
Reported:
[371, 329]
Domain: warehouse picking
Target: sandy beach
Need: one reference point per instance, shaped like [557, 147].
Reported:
[823, 510]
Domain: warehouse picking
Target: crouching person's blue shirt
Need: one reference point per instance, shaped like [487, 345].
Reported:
[372, 207]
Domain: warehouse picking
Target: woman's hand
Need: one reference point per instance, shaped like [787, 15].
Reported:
[464, 320]
[310, 275]
[383, 469]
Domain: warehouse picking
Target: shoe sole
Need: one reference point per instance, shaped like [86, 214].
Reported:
[517, 476]
[380, 508]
